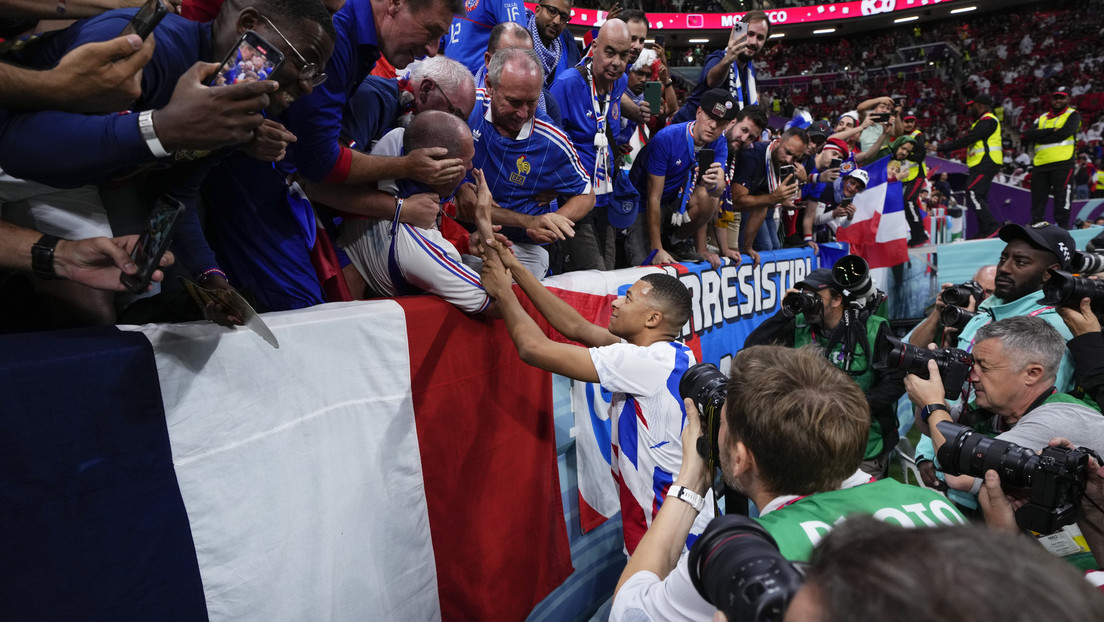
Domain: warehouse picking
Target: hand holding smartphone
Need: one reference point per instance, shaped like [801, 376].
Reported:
[653, 94]
[153, 243]
[252, 59]
[705, 160]
[146, 19]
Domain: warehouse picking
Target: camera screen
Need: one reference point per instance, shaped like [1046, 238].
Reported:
[249, 64]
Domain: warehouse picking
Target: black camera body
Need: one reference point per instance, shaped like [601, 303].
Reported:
[1064, 289]
[961, 294]
[954, 364]
[705, 385]
[1056, 477]
[736, 566]
[806, 303]
[956, 317]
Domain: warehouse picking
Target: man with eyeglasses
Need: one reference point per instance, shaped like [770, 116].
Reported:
[180, 127]
[284, 258]
[380, 104]
[556, 50]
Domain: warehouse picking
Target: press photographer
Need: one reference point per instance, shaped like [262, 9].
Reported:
[1081, 316]
[834, 310]
[1016, 363]
[791, 437]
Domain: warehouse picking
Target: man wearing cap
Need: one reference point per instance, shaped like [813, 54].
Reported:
[1021, 272]
[984, 157]
[819, 170]
[1054, 135]
[833, 207]
[732, 68]
[681, 200]
[902, 168]
[849, 345]
[590, 97]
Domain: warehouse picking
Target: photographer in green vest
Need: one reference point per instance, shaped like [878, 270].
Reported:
[833, 309]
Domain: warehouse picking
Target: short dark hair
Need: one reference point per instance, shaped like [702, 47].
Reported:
[501, 29]
[634, 15]
[804, 420]
[670, 296]
[757, 114]
[921, 574]
[291, 12]
[756, 15]
[800, 132]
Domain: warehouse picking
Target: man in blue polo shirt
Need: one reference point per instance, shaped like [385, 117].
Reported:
[732, 68]
[470, 31]
[523, 156]
[591, 96]
[758, 187]
[680, 199]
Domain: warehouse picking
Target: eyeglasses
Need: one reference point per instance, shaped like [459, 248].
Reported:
[309, 71]
[452, 109]
[563, 16]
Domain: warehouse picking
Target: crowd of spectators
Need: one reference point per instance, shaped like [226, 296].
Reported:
[369, 162]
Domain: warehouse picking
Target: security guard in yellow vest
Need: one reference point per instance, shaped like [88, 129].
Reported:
[915, 180]
[1054, 135]
[984, 157]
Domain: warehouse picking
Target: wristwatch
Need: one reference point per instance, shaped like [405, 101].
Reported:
[683, 493]
[42, 257]
[927, 411]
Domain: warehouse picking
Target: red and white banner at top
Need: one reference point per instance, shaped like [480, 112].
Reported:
[799, 15]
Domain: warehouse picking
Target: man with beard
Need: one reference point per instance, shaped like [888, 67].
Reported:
[745, 130]
[792, 432]
[731, 68]
[681, 200]
[547, 24]
[1054, 135]
[759, 188]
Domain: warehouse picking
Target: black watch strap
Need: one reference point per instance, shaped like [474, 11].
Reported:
[42, 257]
[927, 411]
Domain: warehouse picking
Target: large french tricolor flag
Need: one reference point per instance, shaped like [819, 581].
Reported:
[879, 232]
[392, 460]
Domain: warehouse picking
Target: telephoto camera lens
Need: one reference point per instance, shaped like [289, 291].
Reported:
[965, 452]
[961, 294]
[705, 385]
[1064, 289]
[1088, 263]
[852, 273]
[806, 303]
[892, 354]
[736, 567]
[955, 317]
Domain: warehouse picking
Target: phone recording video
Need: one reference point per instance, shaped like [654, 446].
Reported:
[739, 29]
[706, 156]
[835, 163]
[253, 59]
[785, 172]
[153, 243]
[146, 19]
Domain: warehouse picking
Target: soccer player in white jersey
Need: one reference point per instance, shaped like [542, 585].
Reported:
[637, 358]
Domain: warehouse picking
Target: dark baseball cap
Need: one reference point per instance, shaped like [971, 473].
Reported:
[817, 280]
[821, 129]
[981, 98]
[1044, 236]
[908, 116]
[718, 103]
[1062, 90]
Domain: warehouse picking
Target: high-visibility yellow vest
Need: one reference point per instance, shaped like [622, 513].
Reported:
[991, 144]
[915, 167]
[1046, 153]
[1098, 180]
